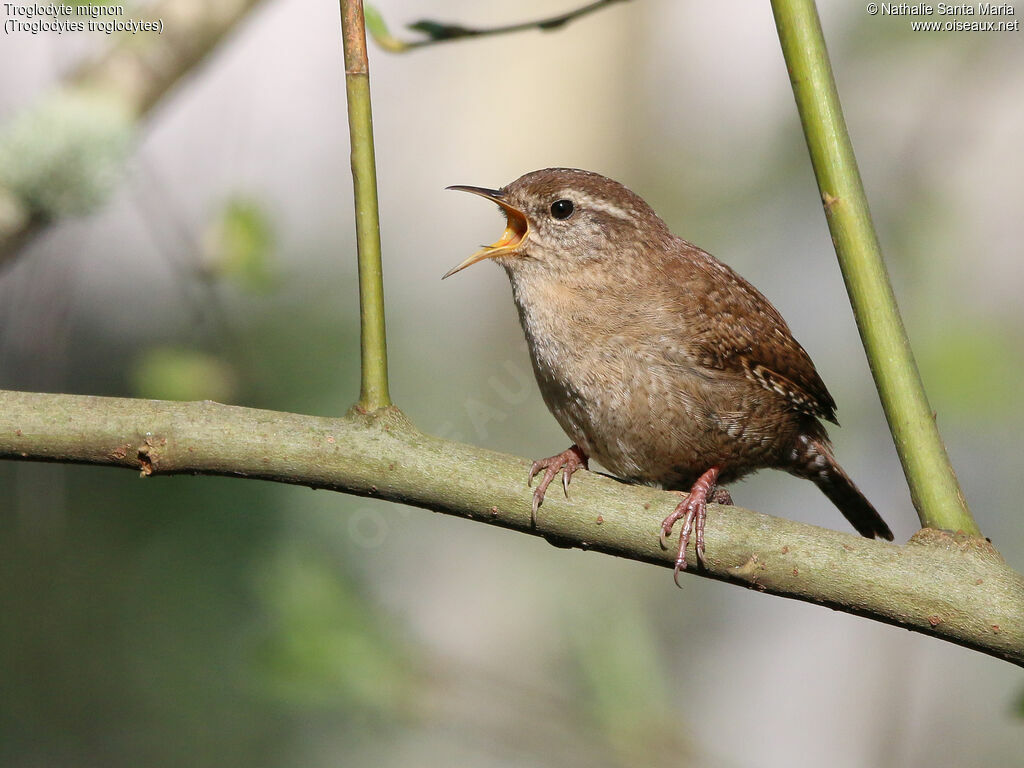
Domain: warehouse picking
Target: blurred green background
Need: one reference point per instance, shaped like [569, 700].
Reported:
[204, 621]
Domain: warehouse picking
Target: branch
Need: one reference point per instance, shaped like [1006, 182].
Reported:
[61, 156]
[956, 588]
[373, 391]
[933, 485]
[440, 32]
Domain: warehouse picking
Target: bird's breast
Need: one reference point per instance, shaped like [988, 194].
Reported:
[615, 383]
[621, 380]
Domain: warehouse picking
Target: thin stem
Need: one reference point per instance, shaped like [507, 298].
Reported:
[933, 485]
[439, 32]
[373, 392]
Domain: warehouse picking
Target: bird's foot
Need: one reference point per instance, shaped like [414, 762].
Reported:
[568, 461]
[720, 495]
[693, 511]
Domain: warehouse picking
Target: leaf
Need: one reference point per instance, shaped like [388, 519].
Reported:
[379, 31]
[169, 373]
[439, 31]
[324, 643]
[239, 245]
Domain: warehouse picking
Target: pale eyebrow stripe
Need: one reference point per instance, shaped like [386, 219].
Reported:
[598, 205]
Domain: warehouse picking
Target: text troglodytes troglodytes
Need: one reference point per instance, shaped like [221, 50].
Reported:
[659, 361]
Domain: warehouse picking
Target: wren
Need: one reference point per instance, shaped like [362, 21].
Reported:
[659, 361]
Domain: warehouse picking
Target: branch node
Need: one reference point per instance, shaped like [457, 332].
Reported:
[147, 456]
[147, 460]
[958, 540]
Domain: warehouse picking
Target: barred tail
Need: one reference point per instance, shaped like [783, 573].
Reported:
[816, 463]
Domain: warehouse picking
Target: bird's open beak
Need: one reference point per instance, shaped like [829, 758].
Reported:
[516, 229]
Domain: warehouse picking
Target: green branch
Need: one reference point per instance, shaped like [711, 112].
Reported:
[954, 588]
[373, 392]
[440, 32]
[933, 485]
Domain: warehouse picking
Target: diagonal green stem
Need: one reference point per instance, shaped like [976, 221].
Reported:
[439, 32]
[933, 485]
[373, 392]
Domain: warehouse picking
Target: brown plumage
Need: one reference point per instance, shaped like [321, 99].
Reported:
[657, 360]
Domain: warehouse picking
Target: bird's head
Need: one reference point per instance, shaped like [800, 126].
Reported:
[565, 219]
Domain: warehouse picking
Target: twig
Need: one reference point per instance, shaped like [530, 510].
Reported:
[933, 485]
[440, 32]
[373, 393]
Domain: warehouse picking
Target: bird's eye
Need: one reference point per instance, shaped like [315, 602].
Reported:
[562, 209]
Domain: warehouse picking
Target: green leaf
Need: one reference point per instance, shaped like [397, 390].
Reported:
[375, 23]
[168, 373]
[325, 645]
[439, 31]
[239, 245]
[379, 31]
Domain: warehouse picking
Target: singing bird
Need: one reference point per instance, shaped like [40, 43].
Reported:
[658, 360]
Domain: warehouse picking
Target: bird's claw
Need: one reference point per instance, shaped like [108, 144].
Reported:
[568, 461]
[666, 531]
[693, 510]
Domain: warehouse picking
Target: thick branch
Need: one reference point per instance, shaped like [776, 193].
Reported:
[955, 588]
[933, 485]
